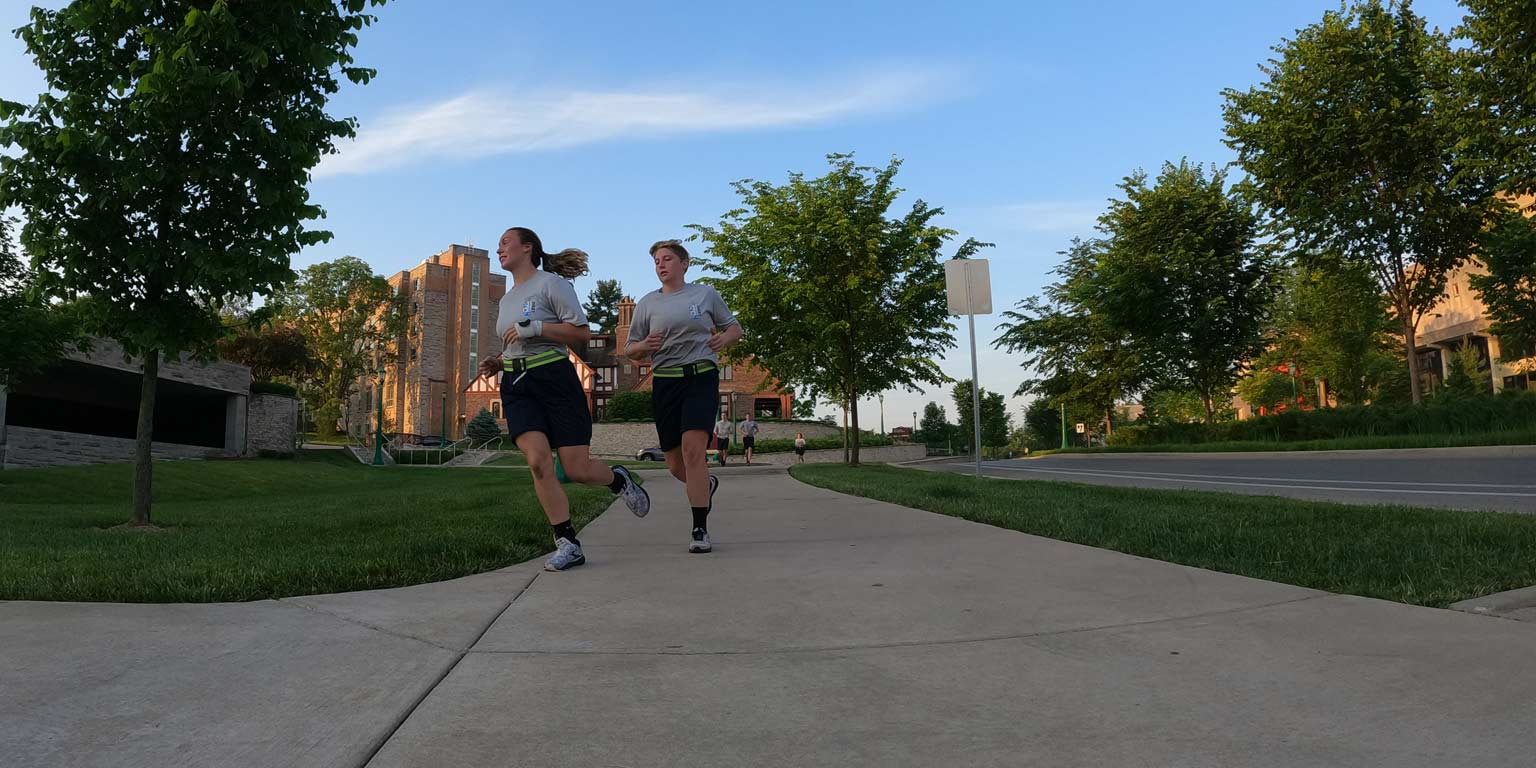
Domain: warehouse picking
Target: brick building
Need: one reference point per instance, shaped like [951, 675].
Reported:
[453, 299]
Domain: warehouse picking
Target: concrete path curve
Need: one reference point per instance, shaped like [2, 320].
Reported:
[824, 630]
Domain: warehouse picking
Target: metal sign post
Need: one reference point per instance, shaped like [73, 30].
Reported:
[968, 287]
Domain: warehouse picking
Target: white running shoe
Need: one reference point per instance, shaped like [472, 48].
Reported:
[634, 495]
[700, 543]
[567, 555]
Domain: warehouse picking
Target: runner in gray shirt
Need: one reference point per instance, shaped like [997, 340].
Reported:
[748, 437]
[681, 328]
[541, 395]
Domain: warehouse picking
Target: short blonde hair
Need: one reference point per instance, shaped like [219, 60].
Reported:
[675, 246]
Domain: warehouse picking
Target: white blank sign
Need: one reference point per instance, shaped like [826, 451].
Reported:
[957, 272]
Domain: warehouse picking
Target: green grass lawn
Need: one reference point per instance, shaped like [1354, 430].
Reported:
[246, 530]
[1418, 556]
[1363, 443]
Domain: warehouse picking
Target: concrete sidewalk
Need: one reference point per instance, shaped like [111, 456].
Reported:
[824, 630]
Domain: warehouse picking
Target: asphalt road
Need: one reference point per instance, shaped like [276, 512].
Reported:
[1495, 478]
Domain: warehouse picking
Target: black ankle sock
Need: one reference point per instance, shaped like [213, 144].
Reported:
[566, 531]
[700, 517]
[618, 482]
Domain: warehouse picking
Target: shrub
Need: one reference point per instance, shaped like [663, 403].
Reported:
[630, 406]
[1448, 415]
[273, 388]
[483, 427]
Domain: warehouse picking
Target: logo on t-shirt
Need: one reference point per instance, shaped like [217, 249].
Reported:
[528, 306]
[694, 311]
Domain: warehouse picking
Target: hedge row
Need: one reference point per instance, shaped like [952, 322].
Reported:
[1509, 411]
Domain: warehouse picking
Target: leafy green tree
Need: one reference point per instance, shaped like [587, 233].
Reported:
[803, 409]
[1502, 80]
[352, 321]
[1468, 374]
[934, 429]
[996, 423]
[1357, 143]
[602, 304]
[1334, 323]
[1042, 424]
[1508, 250]
[483, 427]
[1179, 406]
[1183, 274]
[164, 170]
[1071, 341]
[36, 333]
[854, 299]
[272, 352]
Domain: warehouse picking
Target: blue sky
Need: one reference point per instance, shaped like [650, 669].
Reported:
[606, 127]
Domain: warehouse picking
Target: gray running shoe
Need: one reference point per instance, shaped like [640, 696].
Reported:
[700, 543]
[567, 555]
[634, 495]
[714, 485]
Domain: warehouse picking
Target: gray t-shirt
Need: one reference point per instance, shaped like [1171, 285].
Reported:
[723, 429]
[545, 296]
[749, 428]
[686, 318]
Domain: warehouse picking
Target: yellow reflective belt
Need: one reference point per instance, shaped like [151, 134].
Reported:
[679, 371]
[517, 364]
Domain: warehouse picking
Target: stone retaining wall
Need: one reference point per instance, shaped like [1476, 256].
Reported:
[27, 447]
[271, 424]
[631, 438]
[888, 454]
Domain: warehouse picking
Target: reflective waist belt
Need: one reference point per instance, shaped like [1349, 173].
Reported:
[520, 364]
[679, 371]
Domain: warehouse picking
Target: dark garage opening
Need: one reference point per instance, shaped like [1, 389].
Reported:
[92, 400]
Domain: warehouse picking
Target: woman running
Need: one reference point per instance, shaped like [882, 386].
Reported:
[676, 328]
[541, 396]
[800, 446]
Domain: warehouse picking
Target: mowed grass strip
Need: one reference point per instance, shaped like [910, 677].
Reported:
[1409, 555]
[1361, 443]
[248, 530]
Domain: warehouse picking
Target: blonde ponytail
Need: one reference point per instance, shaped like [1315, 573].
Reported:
[570, 263]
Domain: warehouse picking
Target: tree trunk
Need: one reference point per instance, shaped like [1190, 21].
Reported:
[1109, 424]
[1210, 410]
[143, 463]
[1410, 342]
[853, 434]
[846, 458]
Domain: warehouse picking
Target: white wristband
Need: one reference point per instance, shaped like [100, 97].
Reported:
[529, 329]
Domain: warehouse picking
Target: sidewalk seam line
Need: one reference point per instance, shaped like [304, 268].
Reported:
[925, 643]
[401, 721]
[363, 624]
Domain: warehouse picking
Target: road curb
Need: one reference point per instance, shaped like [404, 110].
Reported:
[1504, 604]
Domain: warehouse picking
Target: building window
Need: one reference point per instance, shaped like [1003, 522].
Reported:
[604, 378]
[597, 343]
[474, 318]
[416, 285]
[645, 370]
[415, 307]
[413, 354]
[496, 408]
[725, 406]
[727, 374]
[629, 368]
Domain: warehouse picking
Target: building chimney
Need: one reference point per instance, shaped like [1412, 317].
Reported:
[621, 330]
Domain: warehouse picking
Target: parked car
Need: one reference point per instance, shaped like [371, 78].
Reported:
[653, 453]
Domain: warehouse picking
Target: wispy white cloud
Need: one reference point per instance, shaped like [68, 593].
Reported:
[1048, 216]
[495, 122]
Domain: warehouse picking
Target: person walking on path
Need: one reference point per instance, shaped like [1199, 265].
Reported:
[541, 395]
[800, 447]
[681, 328]
[748, 437]
[723, 429]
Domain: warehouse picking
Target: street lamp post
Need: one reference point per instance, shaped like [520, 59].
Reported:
[378, 425]
[445, 417]
[1295, 395]
[882, 414]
